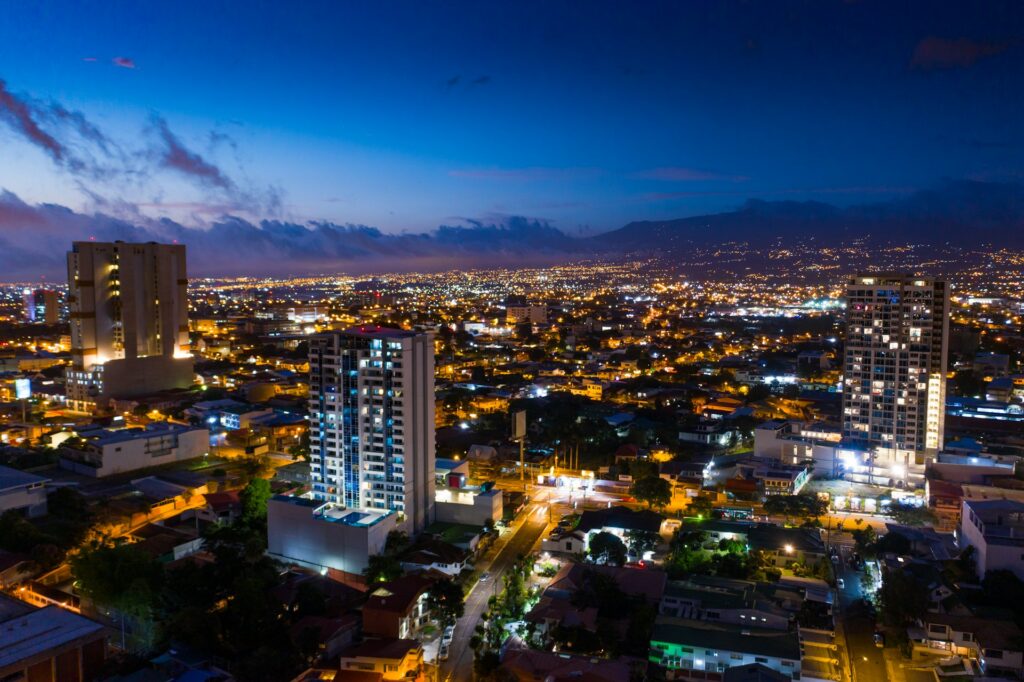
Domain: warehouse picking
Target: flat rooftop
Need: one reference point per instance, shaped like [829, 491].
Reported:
[30, 634]
[109, 436]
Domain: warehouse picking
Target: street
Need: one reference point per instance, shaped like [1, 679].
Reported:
[534, 521]
[856, 623]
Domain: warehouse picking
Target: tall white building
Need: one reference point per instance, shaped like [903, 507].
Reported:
[894, 388]
[129, 321]
[372, 421]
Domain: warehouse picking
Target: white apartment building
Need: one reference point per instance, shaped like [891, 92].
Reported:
[897, 335]
[372, 422]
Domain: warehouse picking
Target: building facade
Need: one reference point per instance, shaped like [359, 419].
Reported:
[372, 421]
[129, 321]
[897, 336]
[41, 305]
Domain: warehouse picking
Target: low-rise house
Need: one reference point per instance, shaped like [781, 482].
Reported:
[691, 649]
[738, 602]
[393, 659]
[22, 491]
[431, 554]
[398, 608]
[996, 644]
[49, 643]
[103, 452]
[995, 529]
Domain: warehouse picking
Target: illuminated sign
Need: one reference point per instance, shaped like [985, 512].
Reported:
[22, 389]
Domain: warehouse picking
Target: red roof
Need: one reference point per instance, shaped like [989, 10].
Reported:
[223, 500]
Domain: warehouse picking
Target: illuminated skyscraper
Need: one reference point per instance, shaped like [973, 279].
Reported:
[897, 335]
[129, 321]
[372, 421]
[42, 306]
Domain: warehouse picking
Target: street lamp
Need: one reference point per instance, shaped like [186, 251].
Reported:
[789, 549]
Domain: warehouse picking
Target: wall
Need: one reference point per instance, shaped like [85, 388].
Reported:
[31, 499]
[485, 506]
[294, 534]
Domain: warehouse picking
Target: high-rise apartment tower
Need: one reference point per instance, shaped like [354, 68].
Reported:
[129, 321]
[897, 337]
[372, 421]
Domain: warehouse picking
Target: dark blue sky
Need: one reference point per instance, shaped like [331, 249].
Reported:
[408, 115]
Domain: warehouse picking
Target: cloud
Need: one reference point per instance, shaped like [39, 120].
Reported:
[175, 156]
[527, 174]
[123, 62]
[456, 80]
[39, 235]
[684, 174]
[934, 53]
[88, 59]
[20, 115]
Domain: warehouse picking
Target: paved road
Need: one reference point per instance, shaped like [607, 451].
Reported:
[858, 626]
[459, 666]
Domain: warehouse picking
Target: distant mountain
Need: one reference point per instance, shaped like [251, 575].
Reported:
[961, 213]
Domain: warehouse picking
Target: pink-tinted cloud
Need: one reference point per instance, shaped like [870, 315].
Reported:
[19, 115]
[123, 62]
[88, 59]
[175, 156]
[684, 174]
[953, 53]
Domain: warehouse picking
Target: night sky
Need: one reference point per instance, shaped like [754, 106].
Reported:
[405, 116]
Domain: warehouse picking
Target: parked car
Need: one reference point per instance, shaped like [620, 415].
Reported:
[840, 584]
[442, 653]
[879, 640]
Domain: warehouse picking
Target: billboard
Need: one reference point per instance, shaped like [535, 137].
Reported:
[22, 389]
[519, 425]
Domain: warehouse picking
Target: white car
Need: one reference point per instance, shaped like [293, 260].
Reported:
[840, 584]
[442, 653]
[485, 576]
[448, 635]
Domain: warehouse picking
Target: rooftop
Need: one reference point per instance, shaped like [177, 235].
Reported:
[620, 517]
[725, 637]
[13, 478]
[387, 648]
[27, 635]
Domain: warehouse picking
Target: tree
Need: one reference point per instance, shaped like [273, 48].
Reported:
[380, 568]
[606, 548]
[119, 576]
[301, 450]
[910, 515]
[254, 498]
[700, 506]
[654, 490]
[445, 600]
[640, 541]
[396, 542]
[901, 598]
[864, 539]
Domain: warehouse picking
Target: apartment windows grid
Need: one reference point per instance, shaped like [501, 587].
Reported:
[895, 365]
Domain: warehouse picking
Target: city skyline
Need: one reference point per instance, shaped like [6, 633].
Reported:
[506, 341]
[400, 130]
